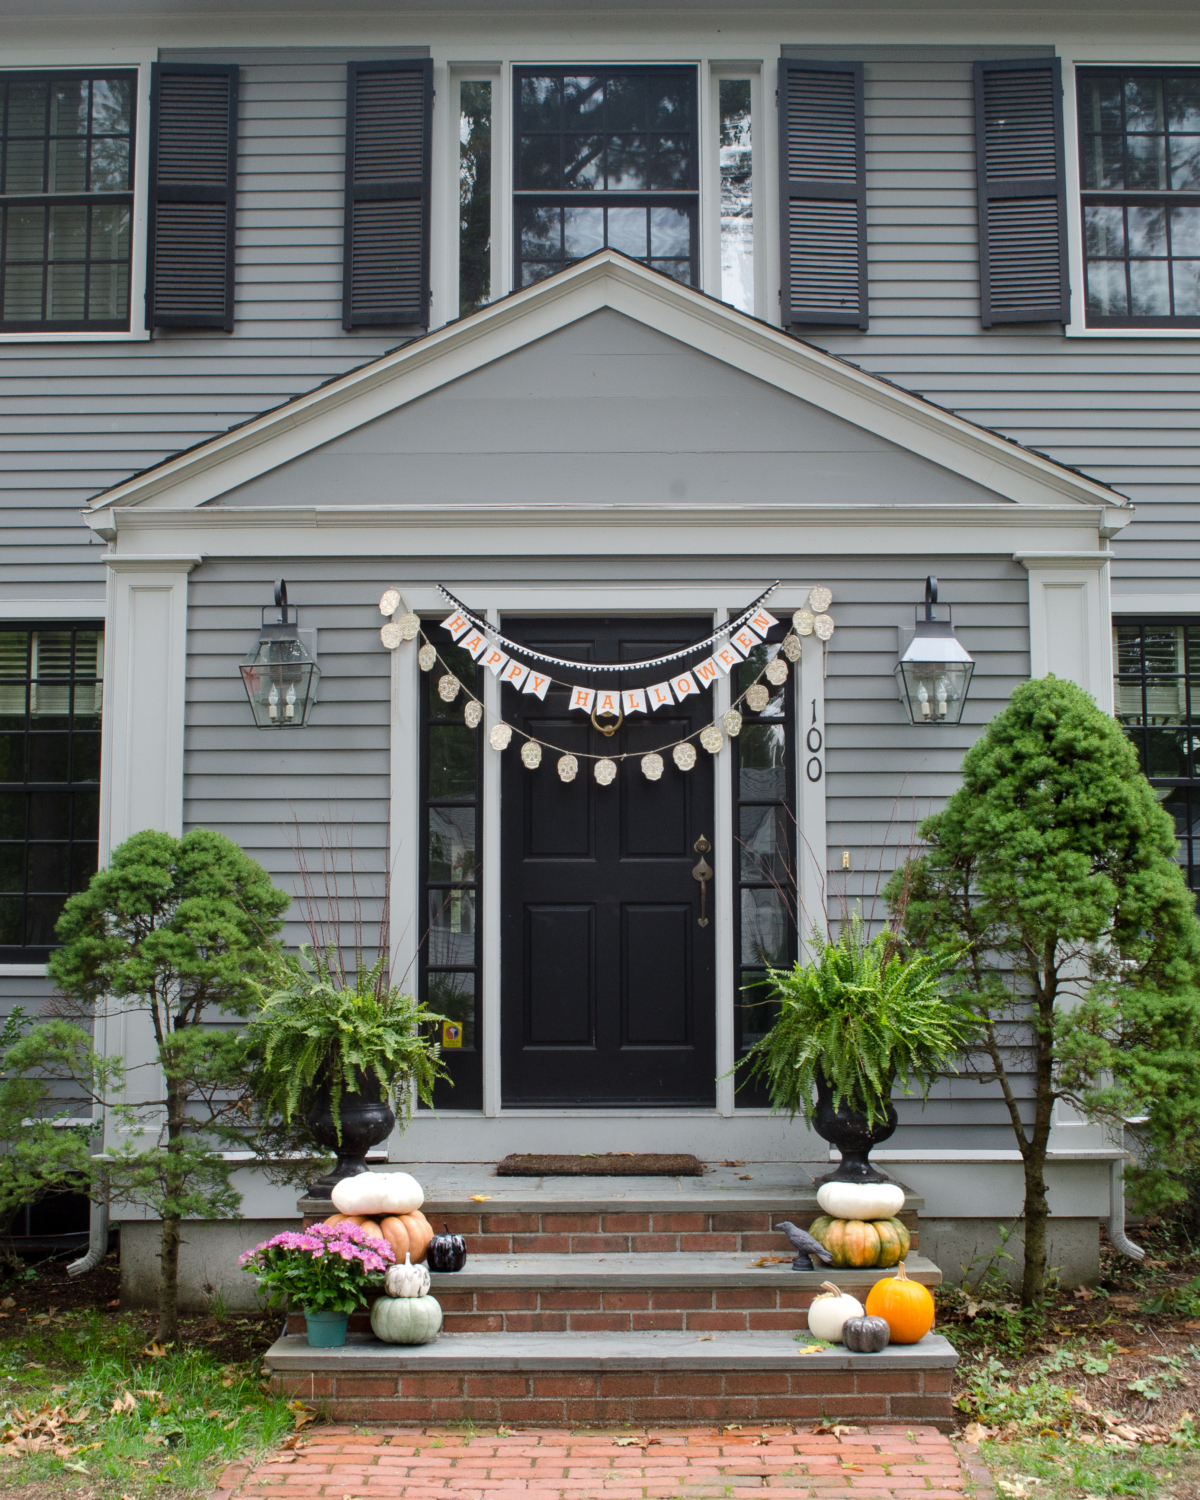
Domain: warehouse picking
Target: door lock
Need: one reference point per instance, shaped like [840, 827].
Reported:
[703, 872]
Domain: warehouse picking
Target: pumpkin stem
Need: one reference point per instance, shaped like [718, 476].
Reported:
[900, 1272]
[828, 1286]
[408, 1257]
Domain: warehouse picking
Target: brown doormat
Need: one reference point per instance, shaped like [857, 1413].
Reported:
[608, 1164]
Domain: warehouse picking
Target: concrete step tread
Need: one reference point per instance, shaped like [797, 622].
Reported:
[751, 1187]
[362, 1353]
[674, 1269]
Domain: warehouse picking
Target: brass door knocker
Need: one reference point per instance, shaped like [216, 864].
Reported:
[703, 872]
[608, 730]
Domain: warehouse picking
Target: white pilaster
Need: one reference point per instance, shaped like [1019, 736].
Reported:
[1070, 624]
[1070, 634]
[141, 776]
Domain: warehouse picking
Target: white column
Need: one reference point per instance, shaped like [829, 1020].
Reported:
[489, 904]
[141, 777]
[811, 856]
[726, 852]
[1070, 634]
[1070, 624]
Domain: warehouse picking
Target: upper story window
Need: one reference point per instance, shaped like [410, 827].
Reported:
[66, 203]
[1139, 152]
[605, 157]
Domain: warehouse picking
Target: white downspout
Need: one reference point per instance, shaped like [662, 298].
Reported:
[1116, 1213]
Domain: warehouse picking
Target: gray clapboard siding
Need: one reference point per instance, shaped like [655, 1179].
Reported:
[1125, 411]
[77, 418]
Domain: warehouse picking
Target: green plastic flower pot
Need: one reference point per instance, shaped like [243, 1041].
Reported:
[326, 1330]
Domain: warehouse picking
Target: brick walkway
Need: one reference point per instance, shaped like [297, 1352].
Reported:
[771, 1463]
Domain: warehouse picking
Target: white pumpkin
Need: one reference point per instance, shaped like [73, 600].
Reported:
[829, 1311]
[406, 1280]
[378, 1193]
[406, 1320]
[861, 1200]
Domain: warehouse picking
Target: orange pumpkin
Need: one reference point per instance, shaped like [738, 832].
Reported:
[370, 1227]
[346, 1219]
[862, 1243]
[905, 1306]
[420, 1232]
[395, 1233]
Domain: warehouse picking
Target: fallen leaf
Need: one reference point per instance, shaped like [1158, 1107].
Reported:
[504, 1432]
[812, 1349]
[705, 1338]
[127, 1402]
[745, 1177]
[732, 1427]
[116, 1302]
[733, 1163]
[975, 1432]
[481, 1197]
[156, 1351]
[836, 1428]
[858, 1468]
[626, 1442]
[301, 1415]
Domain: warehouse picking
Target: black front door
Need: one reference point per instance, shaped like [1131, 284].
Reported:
[607, 975]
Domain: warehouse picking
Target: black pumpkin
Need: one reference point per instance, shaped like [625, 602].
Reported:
[865, 1335]
[448, 1252]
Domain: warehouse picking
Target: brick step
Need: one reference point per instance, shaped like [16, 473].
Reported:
[719, 1212]
[569, 1379]
[635, 1294]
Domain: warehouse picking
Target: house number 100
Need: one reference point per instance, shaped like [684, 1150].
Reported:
[814, 770]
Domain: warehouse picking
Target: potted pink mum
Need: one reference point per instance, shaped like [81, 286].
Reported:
[326, 1271]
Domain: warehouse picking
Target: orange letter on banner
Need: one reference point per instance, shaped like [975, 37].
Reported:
[537, 685]
[582, 698]
[474, 644]
[762, 621]
[744, 641]
[456, 624]
[660, 694]
[607, 704]
[684, 684]
[706, 672]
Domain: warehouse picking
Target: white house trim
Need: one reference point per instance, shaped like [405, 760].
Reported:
[606, 280]
[1070, 619]
[1156, 604]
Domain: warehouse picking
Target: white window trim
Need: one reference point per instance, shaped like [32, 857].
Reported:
[137, 332]
[1130, 56]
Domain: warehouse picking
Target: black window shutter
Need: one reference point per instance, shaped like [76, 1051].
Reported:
[1022, 192]
[823, 193]
[389, 114]
[193, 196]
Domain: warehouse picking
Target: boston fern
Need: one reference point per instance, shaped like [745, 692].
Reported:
[319, 1027]
[862, 1015]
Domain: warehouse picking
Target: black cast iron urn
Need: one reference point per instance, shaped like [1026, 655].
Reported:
[848, 1130]
[367, 1119]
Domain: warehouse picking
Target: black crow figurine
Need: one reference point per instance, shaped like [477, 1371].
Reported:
[808, 1250]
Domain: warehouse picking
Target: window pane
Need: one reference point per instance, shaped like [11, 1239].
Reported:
[541, 232]
[625, 102]
[762, 751]
[1166, 753]
[765, 845]
[1183, 102]
[12, 756]
[1147, 231]
[764, 928]
[539, 161]
[627, 231]
[453, 995]
[85, 757]
[583, 102]
[12, 867]
[583, 231]
[12, 815]
[1148, 290]
[41, 913]
[49, 815]
[670, 232]
[475, 196]
[1162, 646]
[737, 204]
[112, 107]
[627, 165]
[451, 843]
[1106, 290]
[1185, 163]
[451, 927]
[452, 763]
[583, 162]
[540, 106]
[1103, 161]
[1143, 104]
[49, 757]
[49, 867]
[1185, 283]
[1128, 704]
[11, 921]
[1104, 228]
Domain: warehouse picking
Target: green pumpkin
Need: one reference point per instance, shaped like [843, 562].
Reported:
[406, 1320]
[862, 1244]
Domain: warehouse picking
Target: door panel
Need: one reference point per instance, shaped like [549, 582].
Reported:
[607, 977]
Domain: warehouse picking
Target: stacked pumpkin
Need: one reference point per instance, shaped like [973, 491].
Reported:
[859, 1226]
[385, 1206]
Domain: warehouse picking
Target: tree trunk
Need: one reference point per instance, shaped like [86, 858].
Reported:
[172, 1224]
[1037, 1208]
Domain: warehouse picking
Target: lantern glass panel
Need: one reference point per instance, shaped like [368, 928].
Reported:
[280, 679]
[935, 691]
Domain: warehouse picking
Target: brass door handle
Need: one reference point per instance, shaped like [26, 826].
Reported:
[703, 872]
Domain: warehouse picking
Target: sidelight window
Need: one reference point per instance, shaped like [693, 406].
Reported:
[451, 816]
[50, 700]
[66, 201]
[605, 157]
[766, 888]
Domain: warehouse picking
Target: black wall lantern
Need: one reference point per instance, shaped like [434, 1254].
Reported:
[934, 671]
[279, 674]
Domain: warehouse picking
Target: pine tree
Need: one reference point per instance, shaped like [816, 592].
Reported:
[1050, 890]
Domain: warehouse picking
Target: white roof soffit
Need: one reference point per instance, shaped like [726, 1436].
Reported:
[605, 280]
